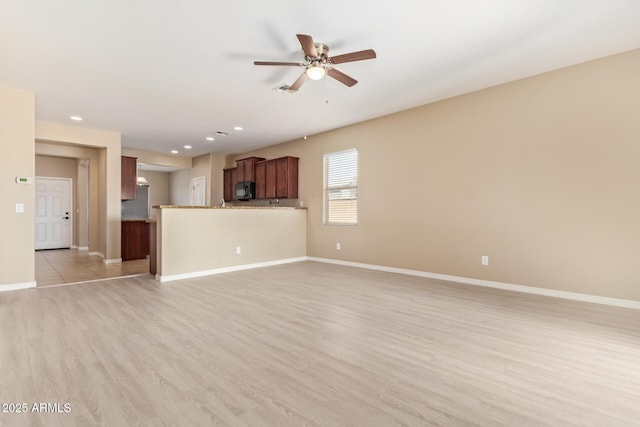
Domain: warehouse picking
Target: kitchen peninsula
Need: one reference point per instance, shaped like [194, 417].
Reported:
[194, 241]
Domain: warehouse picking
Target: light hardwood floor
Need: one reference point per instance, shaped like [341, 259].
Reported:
[55, 267]
[319, 345]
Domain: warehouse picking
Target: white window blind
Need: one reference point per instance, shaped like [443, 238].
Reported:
[341, 188]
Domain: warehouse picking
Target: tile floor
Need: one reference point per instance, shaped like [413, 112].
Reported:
[59, 266]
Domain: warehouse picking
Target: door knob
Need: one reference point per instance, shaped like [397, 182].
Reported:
[65, 217]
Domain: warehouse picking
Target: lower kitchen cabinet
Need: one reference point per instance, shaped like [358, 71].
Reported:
[134, 240]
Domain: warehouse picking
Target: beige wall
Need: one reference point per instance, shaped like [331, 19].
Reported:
[194, 241]
[83, 203]
[56, 167]
[179, 187]
[158, 189]
[108, 162]
[17, 116]
[540, 174]
[217, 188]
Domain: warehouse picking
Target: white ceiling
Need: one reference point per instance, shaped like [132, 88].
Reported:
[168, 73]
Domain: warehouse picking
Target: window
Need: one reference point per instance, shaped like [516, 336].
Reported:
[341, 188]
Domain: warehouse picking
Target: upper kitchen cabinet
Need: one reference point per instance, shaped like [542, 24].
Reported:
[269, 179]
[128, 178]
[287, 177]
[229, 178]
[246, 169]
[281, 178]
[261, 187]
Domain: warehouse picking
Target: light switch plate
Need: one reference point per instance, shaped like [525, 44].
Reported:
[19, 207]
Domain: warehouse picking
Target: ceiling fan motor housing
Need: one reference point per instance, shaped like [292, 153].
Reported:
[323, 52]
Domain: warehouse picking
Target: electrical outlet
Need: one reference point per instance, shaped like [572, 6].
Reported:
[238, 250]
[338, 246]
[485, 260]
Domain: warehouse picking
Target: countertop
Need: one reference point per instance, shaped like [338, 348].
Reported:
[226, 207]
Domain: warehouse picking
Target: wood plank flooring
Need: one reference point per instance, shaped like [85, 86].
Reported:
[55, 267]
[318, 345]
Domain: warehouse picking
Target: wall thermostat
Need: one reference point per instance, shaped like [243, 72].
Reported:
[23, 179]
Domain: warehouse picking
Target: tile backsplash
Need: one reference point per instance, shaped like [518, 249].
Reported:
[139, 207]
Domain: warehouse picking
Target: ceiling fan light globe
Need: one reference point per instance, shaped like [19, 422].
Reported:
[316, 72]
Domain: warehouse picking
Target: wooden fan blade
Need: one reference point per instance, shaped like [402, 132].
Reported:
[353, 56]
[296, 85]
[341, 77]
[291, 64]
[308, 46]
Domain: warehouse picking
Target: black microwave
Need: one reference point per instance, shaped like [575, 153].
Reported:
[246, 190]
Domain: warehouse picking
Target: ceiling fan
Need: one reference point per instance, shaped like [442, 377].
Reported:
[318, 63]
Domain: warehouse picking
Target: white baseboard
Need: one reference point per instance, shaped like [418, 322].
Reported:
[171, 277]
[617, 302]
[106, 261]
[17, 286]
[83, 248]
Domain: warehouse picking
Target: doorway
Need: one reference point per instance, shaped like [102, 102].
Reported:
[79, 169]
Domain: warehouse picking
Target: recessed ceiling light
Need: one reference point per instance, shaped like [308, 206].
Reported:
[174, 151]
[238, 128]
[209, 138]
[76, 118]
[188, 147]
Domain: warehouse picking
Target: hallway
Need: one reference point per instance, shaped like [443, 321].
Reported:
[62, 266]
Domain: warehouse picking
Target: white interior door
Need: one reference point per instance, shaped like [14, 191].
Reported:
[198, 191]
[53, 209]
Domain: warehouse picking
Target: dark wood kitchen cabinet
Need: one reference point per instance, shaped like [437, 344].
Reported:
[274, 178]
[281, 178]
[128, 168]
[229, 183]
[246, 169]
[270, 179]
[134, 240]
[287, 177]
[261, 185]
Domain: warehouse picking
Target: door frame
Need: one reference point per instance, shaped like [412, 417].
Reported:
[71, 202]
[202, 179]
